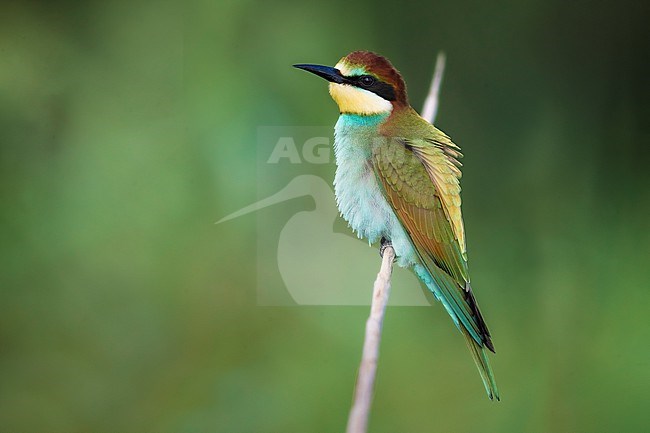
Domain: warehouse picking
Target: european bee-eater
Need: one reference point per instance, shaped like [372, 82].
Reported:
[398, 181]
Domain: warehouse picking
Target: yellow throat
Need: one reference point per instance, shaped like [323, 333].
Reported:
[354, 100]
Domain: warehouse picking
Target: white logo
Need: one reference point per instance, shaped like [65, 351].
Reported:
[317, 265]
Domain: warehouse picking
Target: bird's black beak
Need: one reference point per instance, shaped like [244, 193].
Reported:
[327, 72]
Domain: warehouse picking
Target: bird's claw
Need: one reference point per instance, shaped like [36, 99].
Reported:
[385, 243]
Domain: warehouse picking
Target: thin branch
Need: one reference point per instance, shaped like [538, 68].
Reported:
[358, 421]
[360, 412]
[430, 109]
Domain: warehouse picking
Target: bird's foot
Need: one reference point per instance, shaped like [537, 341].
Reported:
[385, 243]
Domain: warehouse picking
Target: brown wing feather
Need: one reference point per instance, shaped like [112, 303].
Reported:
[427, 202]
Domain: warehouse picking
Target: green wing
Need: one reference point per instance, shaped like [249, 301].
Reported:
[420, 178]
[421, 183]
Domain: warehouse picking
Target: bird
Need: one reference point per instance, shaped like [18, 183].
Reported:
[397, 182]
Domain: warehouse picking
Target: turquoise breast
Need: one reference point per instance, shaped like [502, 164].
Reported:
[358, 195]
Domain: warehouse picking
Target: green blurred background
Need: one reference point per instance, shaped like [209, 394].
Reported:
[128, 128]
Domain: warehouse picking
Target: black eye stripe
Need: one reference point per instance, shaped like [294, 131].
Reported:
[373, 85]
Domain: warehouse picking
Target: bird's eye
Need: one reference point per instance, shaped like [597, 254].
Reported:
[367, 80]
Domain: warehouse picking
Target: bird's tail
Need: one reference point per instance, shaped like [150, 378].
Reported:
[463, 309]
[482, 363]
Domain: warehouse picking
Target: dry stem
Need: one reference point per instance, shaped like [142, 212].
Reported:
[360, 412]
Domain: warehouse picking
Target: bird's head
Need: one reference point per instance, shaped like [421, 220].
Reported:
[363, 83]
